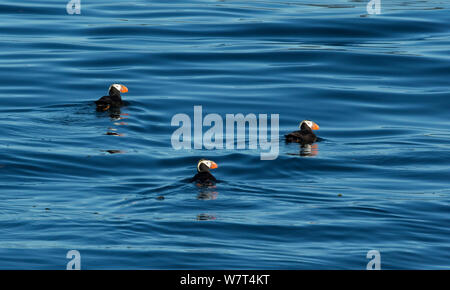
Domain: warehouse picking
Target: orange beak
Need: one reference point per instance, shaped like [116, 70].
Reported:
[315, 126]
[213, 165]
[124, 89]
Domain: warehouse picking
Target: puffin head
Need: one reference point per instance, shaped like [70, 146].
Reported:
[308, 125]
[116, 89]
[204, 165]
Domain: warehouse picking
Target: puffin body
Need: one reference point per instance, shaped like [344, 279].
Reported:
[203, 176]
[114, 99]
[305, 135]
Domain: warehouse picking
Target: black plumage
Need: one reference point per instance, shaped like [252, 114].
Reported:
[204, 176]
[304, 136]
[113, 100]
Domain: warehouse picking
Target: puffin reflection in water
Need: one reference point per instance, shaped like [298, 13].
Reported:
[309, 149]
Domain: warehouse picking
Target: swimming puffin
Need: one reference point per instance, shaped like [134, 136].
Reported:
[305, 135]
[203, 176]
[113, 99]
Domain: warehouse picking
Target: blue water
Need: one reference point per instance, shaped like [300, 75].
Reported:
[378, 86]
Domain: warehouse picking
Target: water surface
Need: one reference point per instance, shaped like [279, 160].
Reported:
[75, 179]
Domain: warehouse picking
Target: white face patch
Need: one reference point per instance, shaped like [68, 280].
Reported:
[206, 162]
[309, 123]
[118, 87]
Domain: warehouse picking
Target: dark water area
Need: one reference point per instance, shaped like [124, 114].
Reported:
[112, 187]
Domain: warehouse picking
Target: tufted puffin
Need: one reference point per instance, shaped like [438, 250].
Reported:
[203, 176]
[113, 100]
[305, 135]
